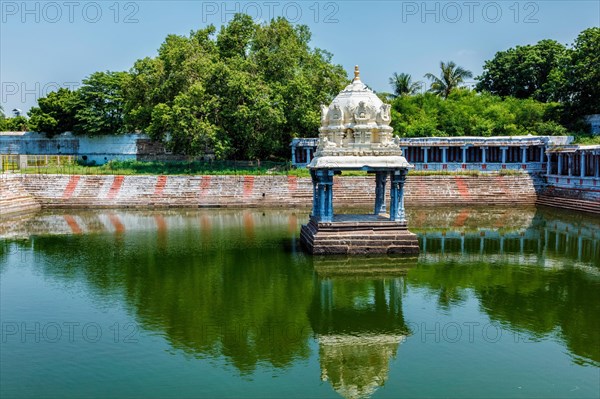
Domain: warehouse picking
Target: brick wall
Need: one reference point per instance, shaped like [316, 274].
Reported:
[272, 191]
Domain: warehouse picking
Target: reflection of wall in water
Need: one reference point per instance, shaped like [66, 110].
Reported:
[166, 221]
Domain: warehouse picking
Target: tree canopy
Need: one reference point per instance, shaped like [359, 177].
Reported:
[244, 94]
[523, 71]
[55, 114]
[549, 71]
[96, 108]
[244, 91]
[467, 113]
[581, 76]
[241, 93]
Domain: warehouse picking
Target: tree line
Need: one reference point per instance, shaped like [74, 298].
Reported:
[245, 91]
[546, 88]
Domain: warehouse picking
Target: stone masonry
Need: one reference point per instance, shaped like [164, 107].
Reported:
[74, 191]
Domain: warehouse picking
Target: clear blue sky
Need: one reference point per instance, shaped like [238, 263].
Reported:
[47, 44]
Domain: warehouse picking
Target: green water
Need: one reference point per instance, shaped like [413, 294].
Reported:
[500, 303]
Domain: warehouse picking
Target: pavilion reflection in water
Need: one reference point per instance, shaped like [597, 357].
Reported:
[356, 316]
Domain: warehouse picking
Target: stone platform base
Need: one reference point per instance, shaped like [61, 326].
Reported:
[358, 234]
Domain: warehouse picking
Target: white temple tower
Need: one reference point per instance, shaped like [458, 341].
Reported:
[355, 134]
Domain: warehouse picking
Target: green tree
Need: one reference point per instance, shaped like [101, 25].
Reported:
[186, 124]
[100, 104]
[466, 113]
[402, 84]
[254, 88]
[56, 112]
[525, 71]
[16, 124]
[2, 120]
[582, 75]
[450, 78]
[249, 111]
[235, 39]
[300, 77]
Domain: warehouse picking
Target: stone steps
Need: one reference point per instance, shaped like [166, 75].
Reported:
[14, 198]
[335, 238]
[569, 203]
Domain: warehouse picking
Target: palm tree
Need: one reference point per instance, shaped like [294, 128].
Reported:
[403, 85]
[452, 76]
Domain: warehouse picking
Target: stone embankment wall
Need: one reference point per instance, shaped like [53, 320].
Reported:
[587, 200]
[14, 198]
[66, 191]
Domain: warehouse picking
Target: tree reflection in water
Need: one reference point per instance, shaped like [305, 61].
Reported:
[232, 284]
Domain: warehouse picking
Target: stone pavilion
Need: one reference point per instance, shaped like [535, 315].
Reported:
[355, 134]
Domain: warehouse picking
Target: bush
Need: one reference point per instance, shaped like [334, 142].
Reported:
[466, 113]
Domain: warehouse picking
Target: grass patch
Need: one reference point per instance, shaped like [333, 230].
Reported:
[221, 168]
[444, 173]
[587, 140]
[171, 168]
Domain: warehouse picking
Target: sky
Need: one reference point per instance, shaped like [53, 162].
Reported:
[49, 44]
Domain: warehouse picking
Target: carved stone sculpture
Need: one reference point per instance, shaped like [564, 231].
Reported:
[324, 111]
[337, 115]
[383, 116]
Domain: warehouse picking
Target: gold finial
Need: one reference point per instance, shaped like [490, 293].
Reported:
[356, 73]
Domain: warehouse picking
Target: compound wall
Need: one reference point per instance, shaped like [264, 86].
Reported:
[75, 191]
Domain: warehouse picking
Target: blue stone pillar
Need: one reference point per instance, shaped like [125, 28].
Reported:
[397, 213]
[321, 198]
[380, 180]
[393, 198]
[322, 195]
[328, 183]
[560, 163]
[401, 211]
[315, 202]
